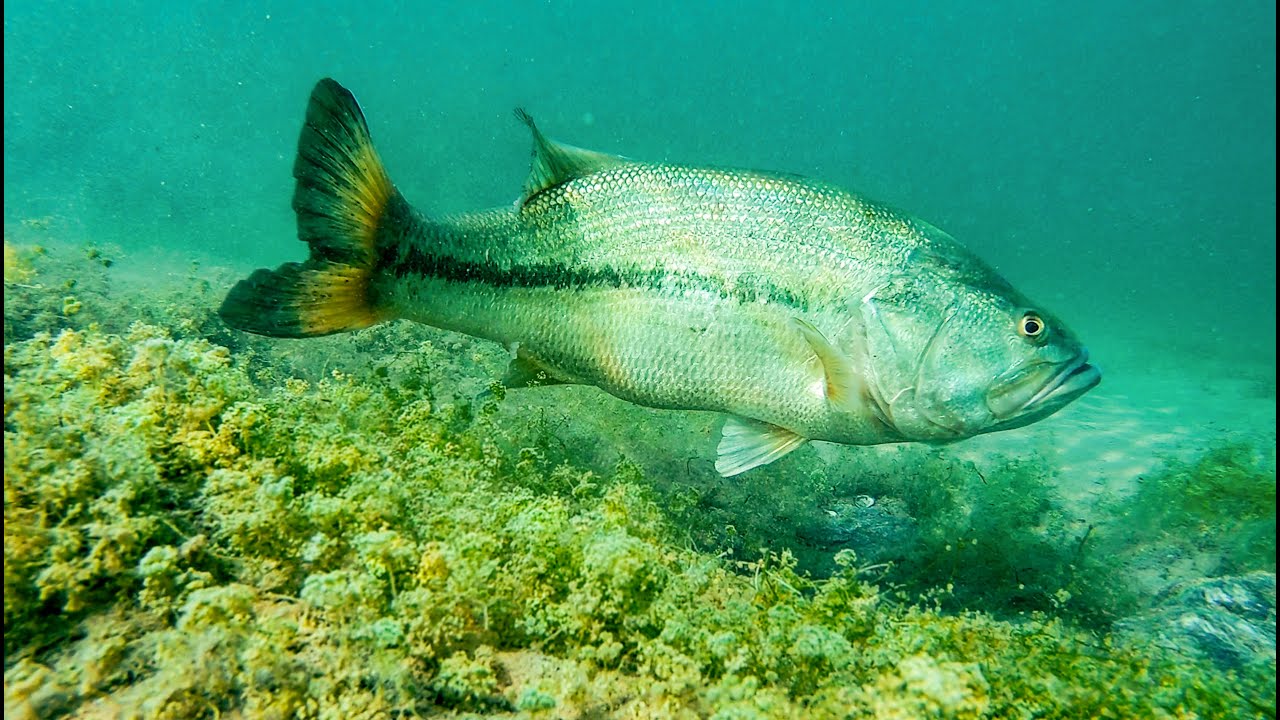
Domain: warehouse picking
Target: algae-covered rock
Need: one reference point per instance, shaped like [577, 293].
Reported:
[876, 531]
[1229, 620]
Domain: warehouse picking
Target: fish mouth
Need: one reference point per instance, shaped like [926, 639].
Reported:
[1036, 392]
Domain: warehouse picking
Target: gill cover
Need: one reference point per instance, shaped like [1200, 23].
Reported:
[919, 367]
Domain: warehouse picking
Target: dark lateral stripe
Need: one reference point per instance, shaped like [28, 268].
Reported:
[556, 276]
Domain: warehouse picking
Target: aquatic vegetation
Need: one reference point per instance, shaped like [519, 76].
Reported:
[993, 539]
[1221, 506]
[1000, 541]
[1215, 512]
[32, 301]
[997, 538]
[17, 263]
[80, 512]
[185, 541]
[53, 287]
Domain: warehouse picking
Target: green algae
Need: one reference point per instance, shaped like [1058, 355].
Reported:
[188, 535]
[1223, 503]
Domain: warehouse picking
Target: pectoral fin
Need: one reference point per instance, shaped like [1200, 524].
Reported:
[747, 444]
[842, 386]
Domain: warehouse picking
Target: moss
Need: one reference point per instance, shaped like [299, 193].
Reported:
[18, 266]
[469, 680]
[50, 288]
[1223, 503]
[186, 537]
[999, 540]
[101, 432]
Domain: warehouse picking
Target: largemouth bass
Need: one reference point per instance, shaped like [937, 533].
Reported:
[800, 310]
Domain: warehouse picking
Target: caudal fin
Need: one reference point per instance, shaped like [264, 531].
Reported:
[341, 199]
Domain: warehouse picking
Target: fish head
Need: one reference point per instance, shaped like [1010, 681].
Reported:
[947, 359]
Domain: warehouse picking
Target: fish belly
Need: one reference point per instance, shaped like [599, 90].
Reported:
[686, 351]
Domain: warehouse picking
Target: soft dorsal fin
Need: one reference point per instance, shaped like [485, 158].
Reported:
[842, 386]
[555, 163]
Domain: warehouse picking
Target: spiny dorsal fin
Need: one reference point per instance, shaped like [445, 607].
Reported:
[746, 444]
[842, 386]
[555, 163]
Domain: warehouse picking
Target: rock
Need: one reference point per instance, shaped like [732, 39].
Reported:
[877, 532]
[1229, 620]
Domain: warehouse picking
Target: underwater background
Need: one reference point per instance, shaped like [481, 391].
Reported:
[200, 523]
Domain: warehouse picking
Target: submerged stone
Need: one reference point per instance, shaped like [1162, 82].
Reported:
[877, 532]
[1229, 620]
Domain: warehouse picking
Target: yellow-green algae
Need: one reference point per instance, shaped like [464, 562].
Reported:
[190, 536]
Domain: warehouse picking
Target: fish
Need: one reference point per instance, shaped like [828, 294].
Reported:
[800, 310]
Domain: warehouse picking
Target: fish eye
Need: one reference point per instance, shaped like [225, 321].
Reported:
[1031, 325]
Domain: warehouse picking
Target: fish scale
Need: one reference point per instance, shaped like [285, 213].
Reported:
[800, 310]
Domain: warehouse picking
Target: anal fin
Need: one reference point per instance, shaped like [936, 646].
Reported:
[525, 371]
[747, 444]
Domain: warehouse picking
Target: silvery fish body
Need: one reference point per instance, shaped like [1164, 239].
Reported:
[800, 310]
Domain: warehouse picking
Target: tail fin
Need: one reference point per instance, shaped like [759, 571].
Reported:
[342, 197]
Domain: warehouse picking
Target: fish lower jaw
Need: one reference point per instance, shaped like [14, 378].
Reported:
[1071, 385]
